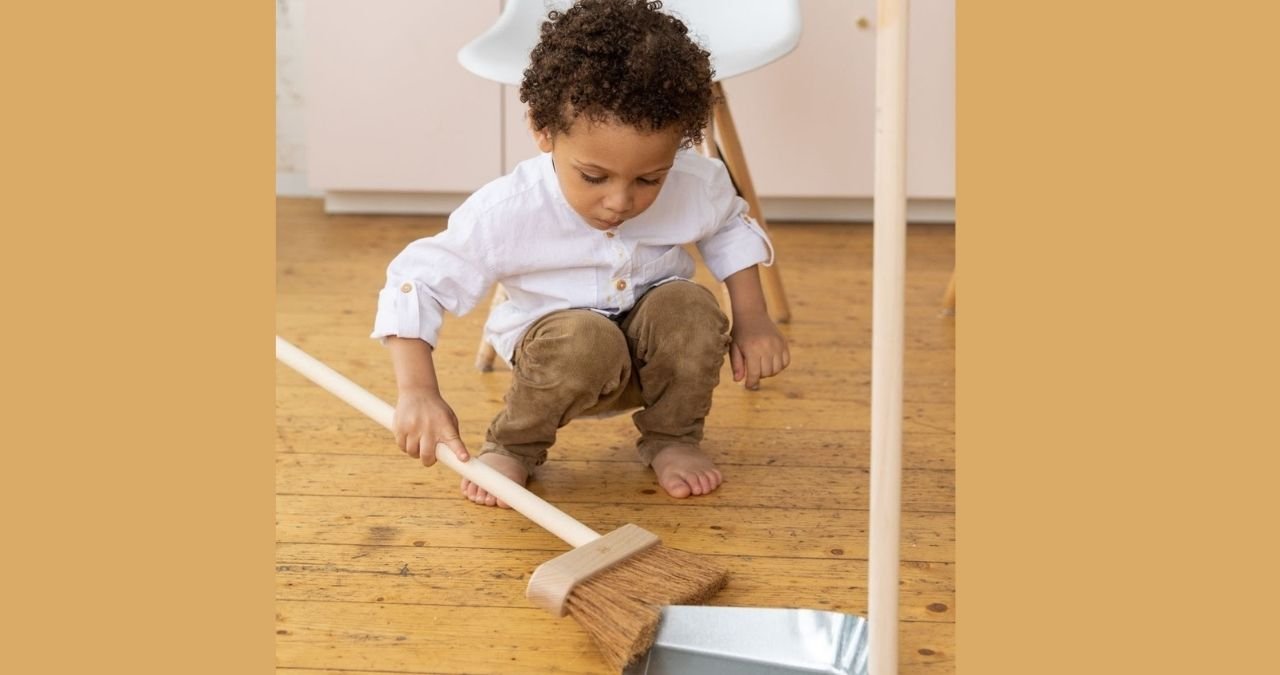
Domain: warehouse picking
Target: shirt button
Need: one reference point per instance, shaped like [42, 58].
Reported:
[609, 235]
[406, 287]
[621, 285]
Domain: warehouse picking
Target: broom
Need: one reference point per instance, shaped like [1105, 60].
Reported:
[614, 585]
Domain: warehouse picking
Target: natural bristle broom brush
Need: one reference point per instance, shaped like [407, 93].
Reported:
[615, 585]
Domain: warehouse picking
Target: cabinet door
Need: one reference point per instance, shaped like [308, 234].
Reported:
[518, 137]
[388, 106]
[802, 119]
[931, 100]
[807, 121]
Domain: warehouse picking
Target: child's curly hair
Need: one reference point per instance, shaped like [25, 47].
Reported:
[621, 60]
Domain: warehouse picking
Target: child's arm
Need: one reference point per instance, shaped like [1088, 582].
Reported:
[758, 349]
[422, 418]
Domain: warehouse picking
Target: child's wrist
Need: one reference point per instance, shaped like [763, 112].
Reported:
[750, 313]
[419, 389]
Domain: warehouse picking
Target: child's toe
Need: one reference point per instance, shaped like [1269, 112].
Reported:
[676, 487]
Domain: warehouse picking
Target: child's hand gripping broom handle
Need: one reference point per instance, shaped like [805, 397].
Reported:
[533, 507]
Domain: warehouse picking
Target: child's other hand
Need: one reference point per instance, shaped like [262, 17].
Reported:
[422, 420]
[758, 350]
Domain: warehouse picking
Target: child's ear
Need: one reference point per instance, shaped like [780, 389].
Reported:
[543, 138]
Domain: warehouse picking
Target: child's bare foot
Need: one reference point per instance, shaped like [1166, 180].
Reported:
[684, 470]
[507, 466]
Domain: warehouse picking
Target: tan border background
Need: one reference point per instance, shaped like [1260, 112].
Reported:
[139, 152]
[1117, 342]
[1117, 345]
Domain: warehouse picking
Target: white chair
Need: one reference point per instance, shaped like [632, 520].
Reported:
[742, 36]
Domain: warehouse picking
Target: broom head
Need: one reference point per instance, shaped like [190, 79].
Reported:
[617, 585]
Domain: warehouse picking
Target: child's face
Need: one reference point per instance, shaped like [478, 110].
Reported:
[610, 172]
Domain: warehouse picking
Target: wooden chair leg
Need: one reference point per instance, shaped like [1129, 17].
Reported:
[708, 149]
[708, 145]
[486, 354]
[949, 297]
[736, 163]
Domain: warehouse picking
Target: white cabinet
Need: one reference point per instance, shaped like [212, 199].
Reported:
[388, 106]
[390, 109]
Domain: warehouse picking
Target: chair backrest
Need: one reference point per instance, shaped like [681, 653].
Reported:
[741, 35]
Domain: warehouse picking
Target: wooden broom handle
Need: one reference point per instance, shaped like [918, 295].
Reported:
[531, 506]
[888, 274]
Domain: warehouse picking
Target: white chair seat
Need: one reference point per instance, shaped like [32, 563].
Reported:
[751, 34]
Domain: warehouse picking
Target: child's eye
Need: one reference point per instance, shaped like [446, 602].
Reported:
[648, 181]
[596, 180]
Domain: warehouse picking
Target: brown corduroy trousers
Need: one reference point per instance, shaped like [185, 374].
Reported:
[664, 357]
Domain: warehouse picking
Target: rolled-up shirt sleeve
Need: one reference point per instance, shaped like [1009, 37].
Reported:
[736, 241]
[444, 273]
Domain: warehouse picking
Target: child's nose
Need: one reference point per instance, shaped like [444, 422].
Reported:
[619, 201]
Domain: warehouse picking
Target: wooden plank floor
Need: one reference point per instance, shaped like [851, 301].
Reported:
[382, 567]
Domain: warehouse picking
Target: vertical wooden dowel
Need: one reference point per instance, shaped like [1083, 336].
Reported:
[486, 354]
[949, 297]
[888, 264]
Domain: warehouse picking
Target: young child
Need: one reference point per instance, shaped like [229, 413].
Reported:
[586, 239]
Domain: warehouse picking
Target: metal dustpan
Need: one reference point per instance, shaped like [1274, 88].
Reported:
[755, 641]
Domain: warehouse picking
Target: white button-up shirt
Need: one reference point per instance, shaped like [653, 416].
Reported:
[521, 232]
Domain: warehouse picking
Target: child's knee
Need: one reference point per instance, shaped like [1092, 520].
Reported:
[578, 350]
[687, 309]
